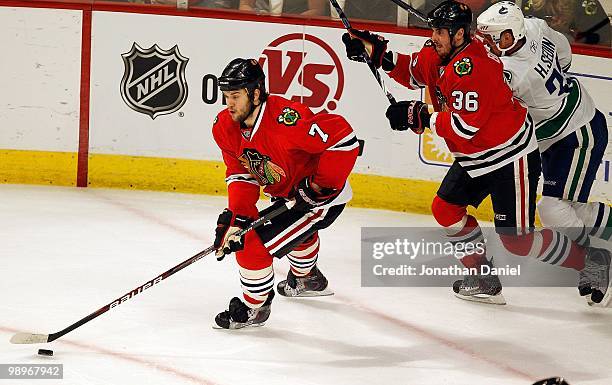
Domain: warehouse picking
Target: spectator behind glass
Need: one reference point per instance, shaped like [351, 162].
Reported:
[301, 7]
[581, 21]
[226, 4]
[425, 6]
[378, 10]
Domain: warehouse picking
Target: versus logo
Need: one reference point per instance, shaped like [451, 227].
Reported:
[154, 80]
[299, 67]
[299, 64]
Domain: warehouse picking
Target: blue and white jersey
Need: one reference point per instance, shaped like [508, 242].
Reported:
[537, 75]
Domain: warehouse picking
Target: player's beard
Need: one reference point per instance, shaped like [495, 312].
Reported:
[242, 114]
[443, 51]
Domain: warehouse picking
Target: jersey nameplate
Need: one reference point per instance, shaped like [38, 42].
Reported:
[549, 51]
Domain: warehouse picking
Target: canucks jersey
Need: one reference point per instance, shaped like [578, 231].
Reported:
[537, 75]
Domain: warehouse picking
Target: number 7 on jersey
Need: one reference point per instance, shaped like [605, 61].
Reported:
[315, 129]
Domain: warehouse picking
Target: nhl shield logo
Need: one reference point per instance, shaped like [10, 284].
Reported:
[154, 80]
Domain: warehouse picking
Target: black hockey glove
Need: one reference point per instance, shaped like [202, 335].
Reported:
[226, 240]
[307, 198]
[412, 115]
[357, 42]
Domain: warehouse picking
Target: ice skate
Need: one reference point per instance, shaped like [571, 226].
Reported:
[480, 288]
[240, 315]
[595, 277]
[312, 285]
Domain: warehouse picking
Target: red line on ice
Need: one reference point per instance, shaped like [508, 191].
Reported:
[151, 218]
[130, 358]
[432, 336]
[424, 333]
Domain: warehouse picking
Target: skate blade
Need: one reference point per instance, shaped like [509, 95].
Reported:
[217, 327]
[483, 298]
[309, 294]
[605, 302]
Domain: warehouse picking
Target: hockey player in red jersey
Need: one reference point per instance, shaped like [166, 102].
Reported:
[489, 133]
[271, 142]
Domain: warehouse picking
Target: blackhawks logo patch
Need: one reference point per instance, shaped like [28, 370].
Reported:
[289, 117]
[261, 167]
[463, 67]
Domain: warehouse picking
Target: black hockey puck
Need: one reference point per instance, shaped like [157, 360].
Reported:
[45, 352]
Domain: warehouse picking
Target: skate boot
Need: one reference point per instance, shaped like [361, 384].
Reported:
[594, 280]
[314, 284]
[480, 288]
[240, 315]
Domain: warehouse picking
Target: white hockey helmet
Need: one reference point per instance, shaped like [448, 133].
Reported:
[501, 17]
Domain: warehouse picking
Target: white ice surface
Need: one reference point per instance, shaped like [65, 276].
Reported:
[65, 252]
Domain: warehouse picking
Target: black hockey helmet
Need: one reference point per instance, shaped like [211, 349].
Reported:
[451, 15]
[243, 73]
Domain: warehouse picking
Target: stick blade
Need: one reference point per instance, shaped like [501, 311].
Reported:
[497, 299]
[29, 338]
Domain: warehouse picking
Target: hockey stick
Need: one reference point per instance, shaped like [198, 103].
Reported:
[412, 10]
[365, 56]
[28, 338]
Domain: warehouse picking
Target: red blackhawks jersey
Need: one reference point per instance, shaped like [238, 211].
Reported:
[483, 125]
[286, 144]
